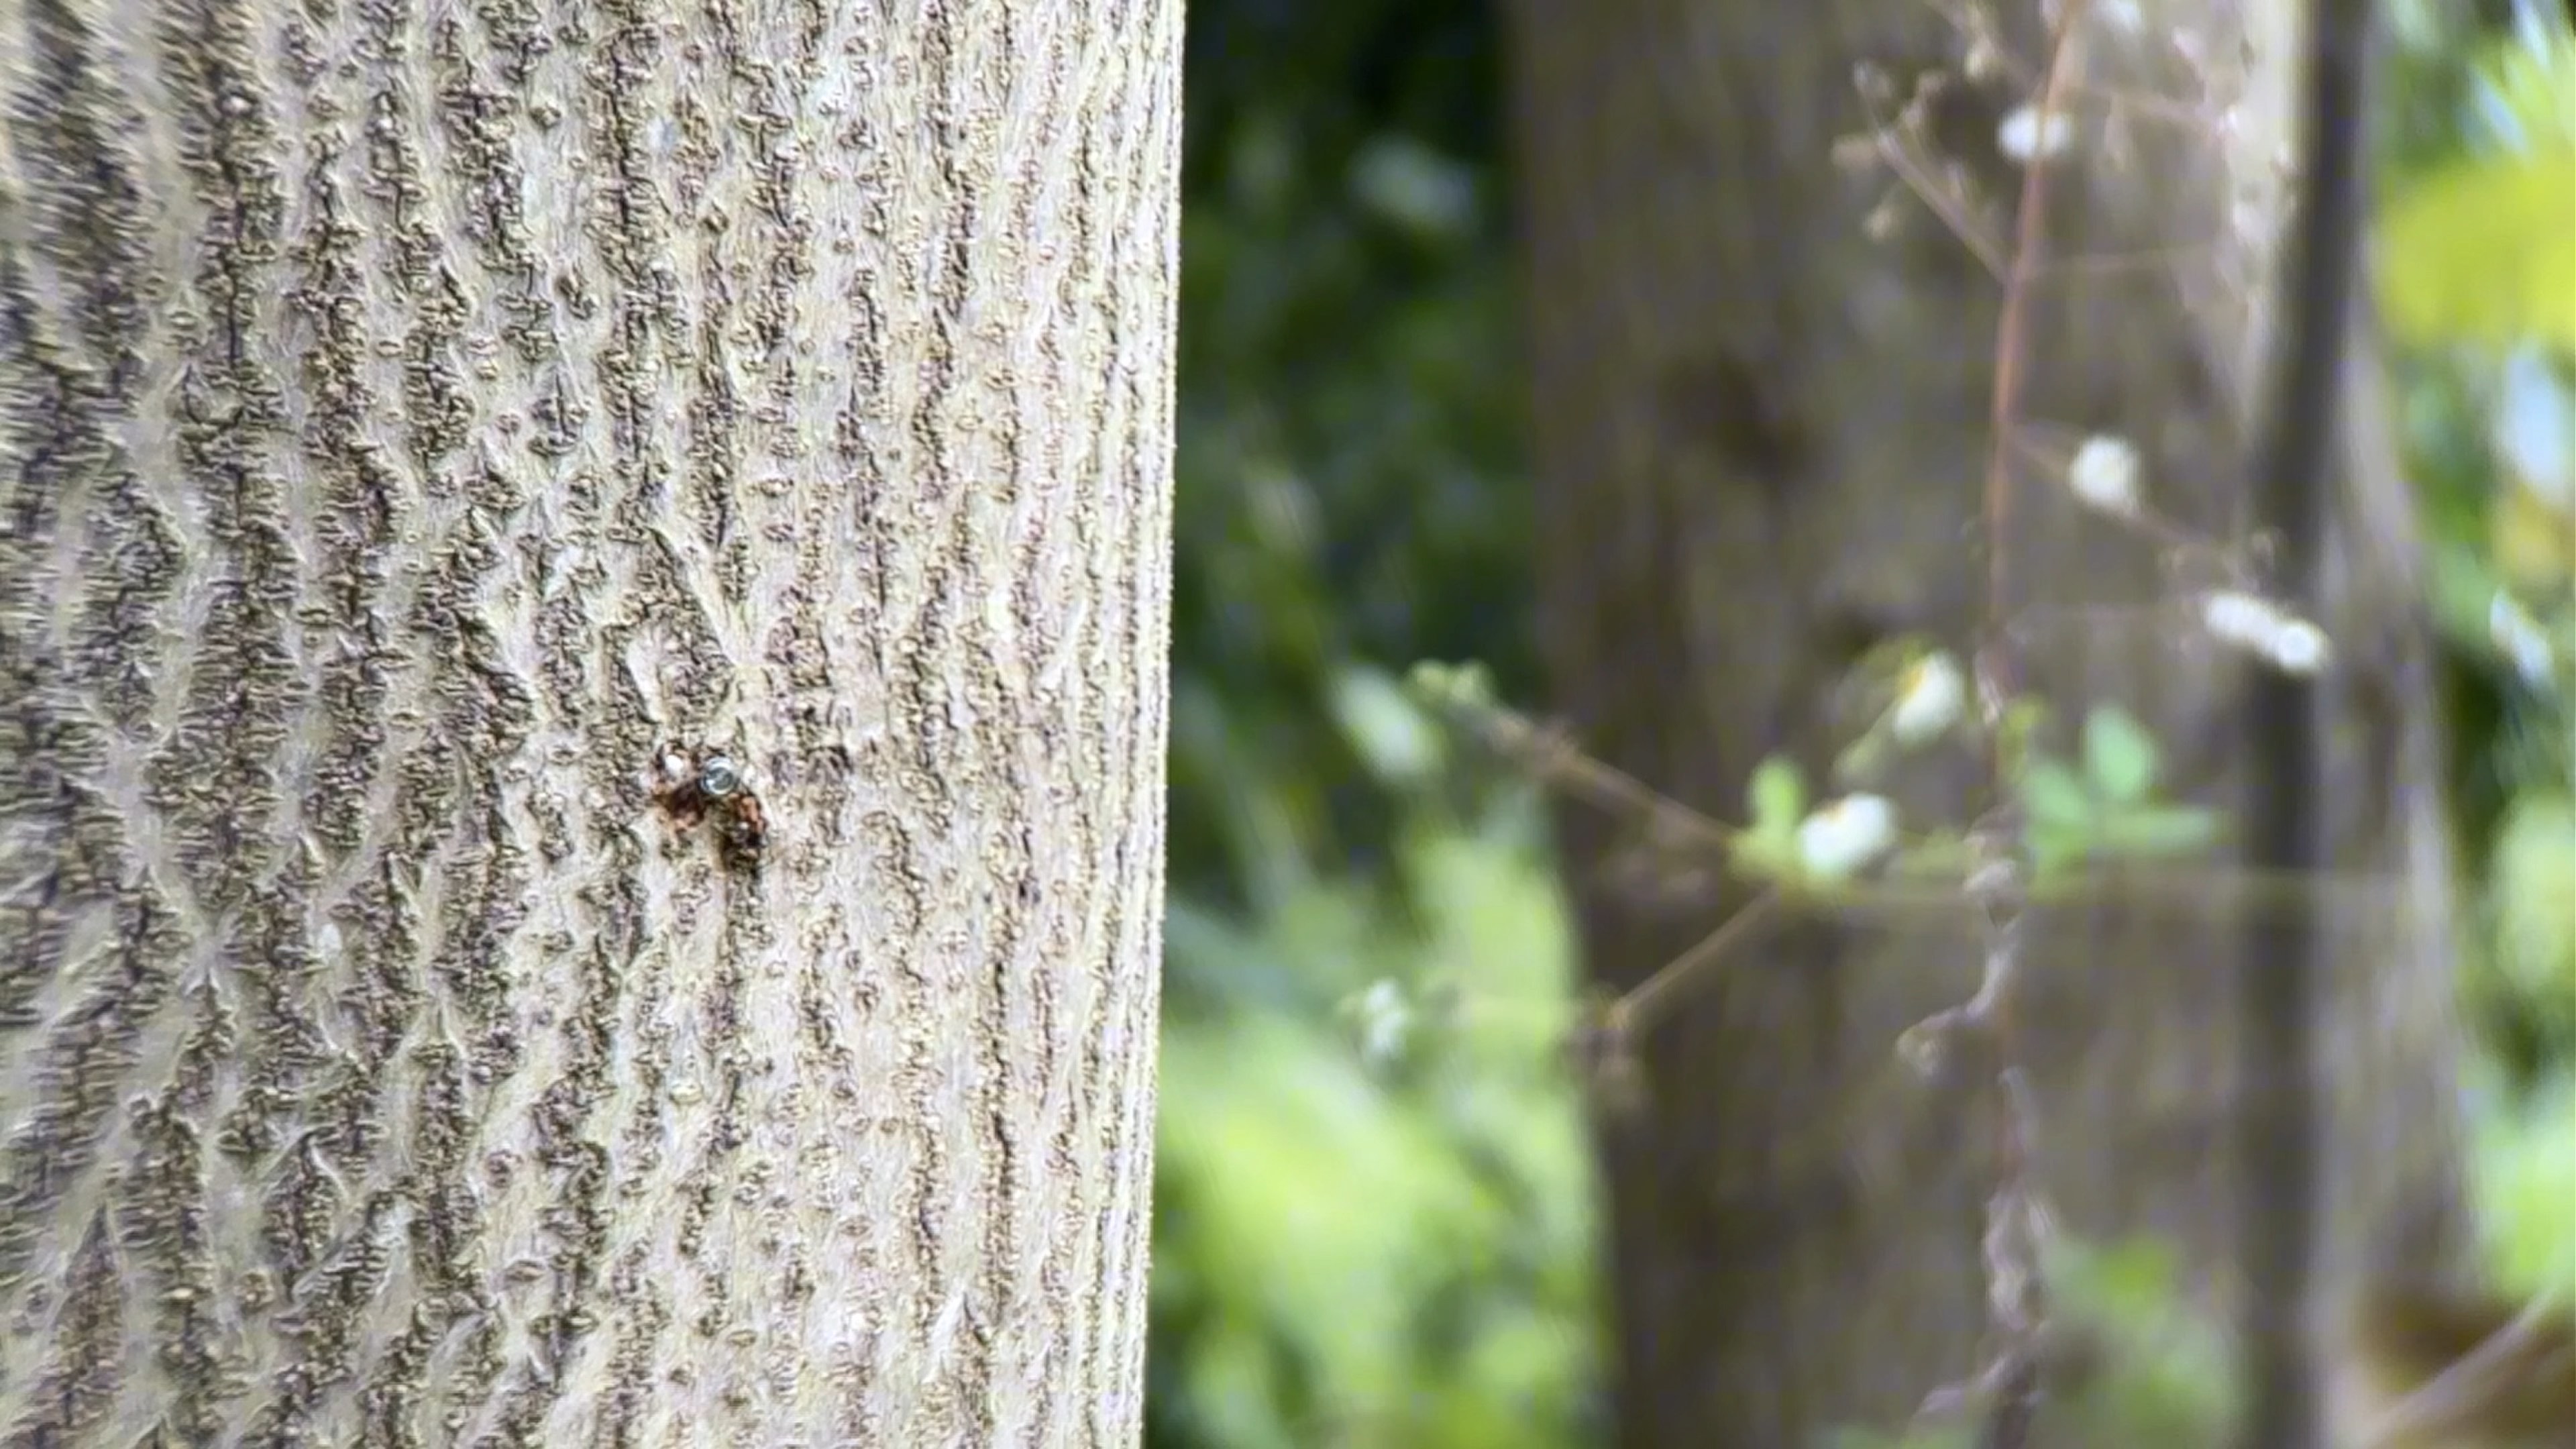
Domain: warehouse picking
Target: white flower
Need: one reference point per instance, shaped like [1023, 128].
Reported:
[2265, 630]
[2518, 637]
[1841, 837]
[2104, 475]
[1934, 696]
[2022, 138]
[1385, 1019]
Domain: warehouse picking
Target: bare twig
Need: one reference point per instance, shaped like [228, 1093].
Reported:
[2030, 240]
[1635, 1011]
[2016, 1290]
[2473, 1380]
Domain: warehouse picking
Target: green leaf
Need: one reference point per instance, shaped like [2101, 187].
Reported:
[2526, 1171]
[1778, 797]
[1461, 685]
[2131, 1280]
[2158, 830]
[2119, 755]
[1385, 726]
[2481, 251]
[2532, 895]
[2053, 848]
[1415, 187]
[2059, 824]
[2055, 796]
[2530, 77]
[1937, 855]
[1766, 857]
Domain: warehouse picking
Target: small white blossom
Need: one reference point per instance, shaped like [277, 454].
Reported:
[2265, 630]
[1934, 696]
[2518, 637]
[2022, 138]
[2104, 475]
[1846, 835]
[1385, 1019]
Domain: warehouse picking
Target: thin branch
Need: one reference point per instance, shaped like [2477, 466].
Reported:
[1554, 758]
[1951, 209]
[1635, 1011]
[2030, 239]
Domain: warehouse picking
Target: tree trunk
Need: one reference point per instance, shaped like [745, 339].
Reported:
[1762, 444]
[415, 417]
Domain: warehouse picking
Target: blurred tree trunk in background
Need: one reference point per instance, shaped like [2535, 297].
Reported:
[411, 417]
[1761, 437]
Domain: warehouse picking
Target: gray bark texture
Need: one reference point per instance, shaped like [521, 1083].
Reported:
[411, 418]
[1762, 436]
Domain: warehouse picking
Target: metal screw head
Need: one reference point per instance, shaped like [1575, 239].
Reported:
[718, 778]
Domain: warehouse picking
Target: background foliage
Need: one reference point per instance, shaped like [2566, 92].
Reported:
[1375, 1208]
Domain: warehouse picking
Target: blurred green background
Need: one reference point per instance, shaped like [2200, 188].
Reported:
[1375, 1215]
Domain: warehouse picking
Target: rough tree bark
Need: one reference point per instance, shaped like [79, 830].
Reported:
[411, 417]
[1762, 439]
